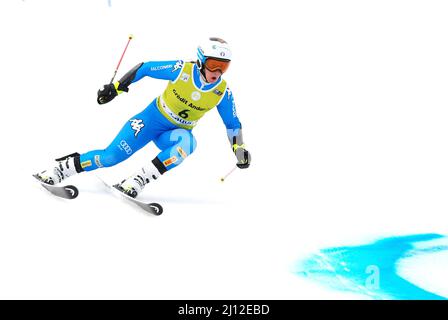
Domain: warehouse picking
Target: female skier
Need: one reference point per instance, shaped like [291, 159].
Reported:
[194, 88]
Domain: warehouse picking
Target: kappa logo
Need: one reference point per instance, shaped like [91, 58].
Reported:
[229, 92]
[136, 125]
[179, 64]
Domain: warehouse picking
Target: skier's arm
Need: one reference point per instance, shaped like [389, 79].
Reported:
[165, 70]
[227, 111]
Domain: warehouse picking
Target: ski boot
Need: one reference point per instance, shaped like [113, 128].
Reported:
[133, 185]
[63, 168]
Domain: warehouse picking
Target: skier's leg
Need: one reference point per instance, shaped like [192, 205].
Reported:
[176, 145]
[136, 133]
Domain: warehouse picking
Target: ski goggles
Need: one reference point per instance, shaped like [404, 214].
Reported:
[214, 64]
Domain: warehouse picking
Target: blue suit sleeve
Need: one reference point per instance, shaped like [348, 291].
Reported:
[164, 70]
[227, 111]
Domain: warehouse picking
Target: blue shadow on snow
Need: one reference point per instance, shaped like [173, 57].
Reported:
[370, 269]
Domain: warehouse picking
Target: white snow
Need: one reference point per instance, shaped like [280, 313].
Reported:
[344, 110]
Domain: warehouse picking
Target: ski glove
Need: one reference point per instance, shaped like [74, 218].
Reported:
[242, 155]
[107, 94]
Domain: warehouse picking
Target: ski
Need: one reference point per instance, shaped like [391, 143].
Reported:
[153, 207]
[66, 192]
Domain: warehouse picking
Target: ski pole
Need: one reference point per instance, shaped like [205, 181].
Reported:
[228, 174]
[119, 62]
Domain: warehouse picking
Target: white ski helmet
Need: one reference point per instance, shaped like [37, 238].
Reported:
[215, 48]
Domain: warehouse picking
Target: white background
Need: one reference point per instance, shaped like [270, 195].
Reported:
[344, 109]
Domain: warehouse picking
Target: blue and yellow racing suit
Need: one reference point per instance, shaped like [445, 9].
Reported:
[169, 119]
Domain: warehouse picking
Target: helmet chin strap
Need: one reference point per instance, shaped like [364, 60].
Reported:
[203, 77]
[202, 71]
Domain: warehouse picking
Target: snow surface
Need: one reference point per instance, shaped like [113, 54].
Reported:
[344, 109]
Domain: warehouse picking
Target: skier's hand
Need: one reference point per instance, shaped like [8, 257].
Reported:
[242, 155]
[107, 93]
